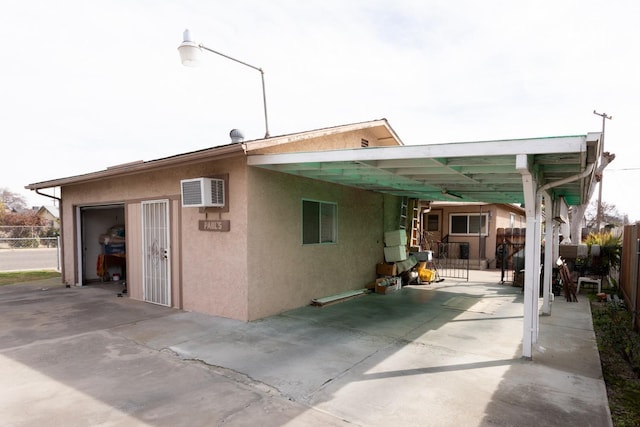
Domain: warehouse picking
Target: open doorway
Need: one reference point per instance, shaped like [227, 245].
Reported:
[103, 245]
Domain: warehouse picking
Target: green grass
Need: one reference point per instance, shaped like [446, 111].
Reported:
[26, 276]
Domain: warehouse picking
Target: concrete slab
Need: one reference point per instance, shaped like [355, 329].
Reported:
[445, 354]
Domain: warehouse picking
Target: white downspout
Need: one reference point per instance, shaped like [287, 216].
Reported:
[548, 259]
[568, 179]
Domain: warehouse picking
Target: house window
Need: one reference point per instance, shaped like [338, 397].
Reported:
[319, 222]
[465, 224]
[512, 220]
[433, 222]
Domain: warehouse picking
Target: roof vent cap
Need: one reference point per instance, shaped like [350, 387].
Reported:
[236, 135]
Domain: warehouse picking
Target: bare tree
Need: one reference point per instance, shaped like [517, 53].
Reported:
[610, 215]
[11, 201]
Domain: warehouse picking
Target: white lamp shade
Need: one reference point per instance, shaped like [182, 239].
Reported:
[189, 50]
[189, 54]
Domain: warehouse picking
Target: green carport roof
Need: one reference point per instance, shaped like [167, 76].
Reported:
[467, 171]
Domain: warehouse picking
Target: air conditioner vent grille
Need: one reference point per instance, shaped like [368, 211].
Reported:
[203, 192]
[217, 192]
[191, 193]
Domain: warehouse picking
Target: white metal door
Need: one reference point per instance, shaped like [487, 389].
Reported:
[156, 250]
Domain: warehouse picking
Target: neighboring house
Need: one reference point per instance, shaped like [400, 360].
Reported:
[302, 216]
[51, 215]
[482, 227]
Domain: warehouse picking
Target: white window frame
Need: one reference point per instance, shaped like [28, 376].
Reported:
[484, 224]
[321, 225]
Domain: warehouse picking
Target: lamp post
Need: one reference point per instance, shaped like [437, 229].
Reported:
[190, 55]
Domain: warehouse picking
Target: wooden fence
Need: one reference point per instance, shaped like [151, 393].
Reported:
[630, 270]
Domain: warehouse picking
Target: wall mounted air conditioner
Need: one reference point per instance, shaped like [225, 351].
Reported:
[561, 210]
[202, 193]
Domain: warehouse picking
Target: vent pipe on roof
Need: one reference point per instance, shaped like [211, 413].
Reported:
[236, 135]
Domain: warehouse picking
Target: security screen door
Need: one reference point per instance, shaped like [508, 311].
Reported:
[155, 247]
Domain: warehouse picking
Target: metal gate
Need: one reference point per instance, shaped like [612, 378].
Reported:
[510, 261]
[155, 247]
[452, 259]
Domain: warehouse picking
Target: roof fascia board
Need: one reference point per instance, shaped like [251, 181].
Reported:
[567, 144]
[319, 133]
[140, 167]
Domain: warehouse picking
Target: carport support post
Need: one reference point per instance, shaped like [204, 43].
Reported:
[576, 224]
[532, 256]
[549, 245]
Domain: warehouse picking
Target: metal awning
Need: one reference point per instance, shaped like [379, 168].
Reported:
[469, 171]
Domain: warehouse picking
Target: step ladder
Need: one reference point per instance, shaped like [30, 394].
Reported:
[414, 240]
[404, 211]
[410, 215]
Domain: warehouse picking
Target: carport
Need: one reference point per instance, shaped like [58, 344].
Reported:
[554, 172]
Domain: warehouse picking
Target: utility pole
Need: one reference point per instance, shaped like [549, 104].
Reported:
[599, 213]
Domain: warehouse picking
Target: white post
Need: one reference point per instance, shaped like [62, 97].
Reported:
[576, 224]
[548, 255]
[58, 253]
[535, 266]
[529, 332]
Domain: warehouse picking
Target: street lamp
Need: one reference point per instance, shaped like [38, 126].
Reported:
[190, 56]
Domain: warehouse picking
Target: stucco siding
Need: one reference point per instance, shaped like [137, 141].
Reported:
[284, 273]
[175, 217]
[134, 253]
[214, 264]
[68, 237]
[209, 266]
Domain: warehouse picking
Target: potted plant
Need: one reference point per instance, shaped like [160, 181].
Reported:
[609, 256]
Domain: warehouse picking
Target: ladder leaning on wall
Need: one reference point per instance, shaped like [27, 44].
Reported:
[410, 215]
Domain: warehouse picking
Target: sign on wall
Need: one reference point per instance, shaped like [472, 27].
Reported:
[214, 225]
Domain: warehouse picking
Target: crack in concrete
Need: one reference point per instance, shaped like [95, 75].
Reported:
[231, 374]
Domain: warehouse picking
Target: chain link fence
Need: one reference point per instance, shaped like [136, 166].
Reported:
[21, 237]
[29, 248]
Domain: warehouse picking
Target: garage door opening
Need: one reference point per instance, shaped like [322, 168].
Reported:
[102, 235]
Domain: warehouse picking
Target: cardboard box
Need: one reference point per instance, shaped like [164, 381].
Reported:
[395, 253]
[386, 269]
[395, 238]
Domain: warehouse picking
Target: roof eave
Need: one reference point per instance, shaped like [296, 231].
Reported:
[134, 168]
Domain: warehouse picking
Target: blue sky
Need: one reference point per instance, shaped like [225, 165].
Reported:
[88, 84]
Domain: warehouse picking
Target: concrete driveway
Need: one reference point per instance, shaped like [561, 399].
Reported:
[437, 355]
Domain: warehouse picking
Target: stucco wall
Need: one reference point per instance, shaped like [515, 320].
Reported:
[284, 273]
[500, 218]
[209, 272]
[214, 264]
[472, 239]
